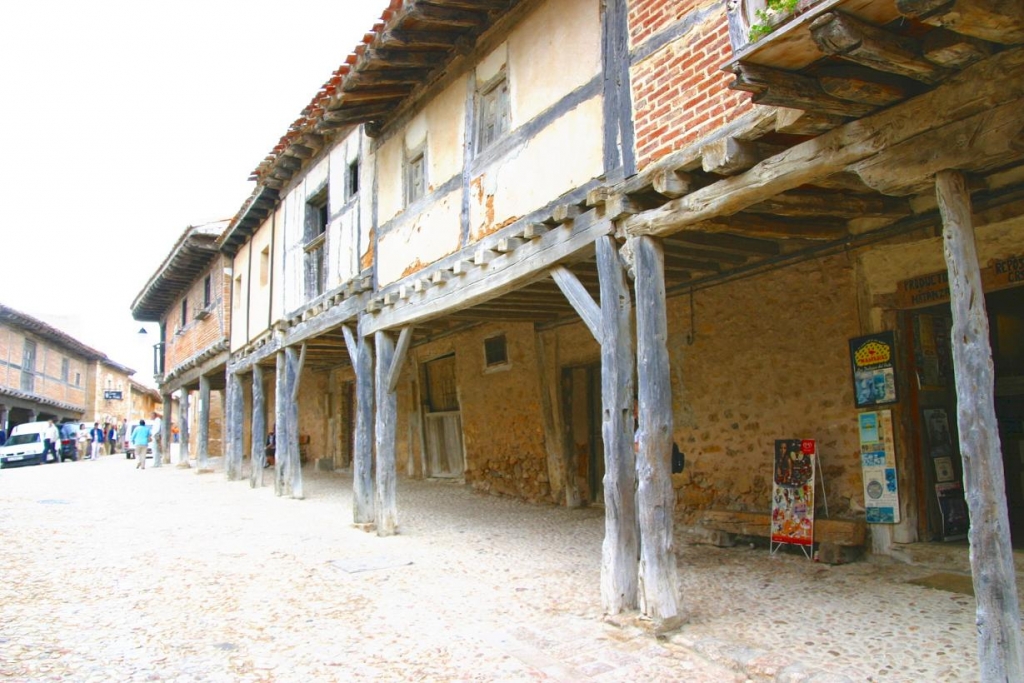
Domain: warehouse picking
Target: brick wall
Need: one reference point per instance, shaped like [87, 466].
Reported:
[48, 382]
[679, 92]
[186, 341]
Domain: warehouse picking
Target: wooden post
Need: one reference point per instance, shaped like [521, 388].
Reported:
[234, 424]
[183, 429]
[258, 456]
[1000, 651]
[296, 359]
[621, 545]
[655, 496]
[165, 432]
[384, 427]
[281, 394]
[361, 355]
[203, 427]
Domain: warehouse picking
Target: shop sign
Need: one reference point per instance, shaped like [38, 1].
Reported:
[872, 360]
[793, 492]
[933, 288]
[878, 467]
[113, 396]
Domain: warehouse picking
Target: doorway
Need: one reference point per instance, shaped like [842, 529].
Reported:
[442, 420]
[934, 403]
[581, 395]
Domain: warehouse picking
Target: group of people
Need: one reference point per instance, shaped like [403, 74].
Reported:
[106, 438]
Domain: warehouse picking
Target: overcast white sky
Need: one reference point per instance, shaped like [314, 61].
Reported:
[123, 122]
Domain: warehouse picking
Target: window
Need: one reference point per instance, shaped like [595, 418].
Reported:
[207, 291]
[265, 266]
[352, 180]
[78, 379]
[317, 218]
[492, 113]
[237, 298]
[415, 178]
[28, 366]
[65, 369]
[495, 351]
[184, 312]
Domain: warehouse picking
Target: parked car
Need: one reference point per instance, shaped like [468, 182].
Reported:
[69, 441]
[25, 446]
[129, 447]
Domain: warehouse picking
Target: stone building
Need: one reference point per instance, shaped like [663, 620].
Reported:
[497, 229]
[188, 296]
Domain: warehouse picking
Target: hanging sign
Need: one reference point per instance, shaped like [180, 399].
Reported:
[873, 359]
[113, 396]
[793, 492]
[933, 288]
[878, 466]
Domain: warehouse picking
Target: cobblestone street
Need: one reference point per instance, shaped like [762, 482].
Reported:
[117, 574]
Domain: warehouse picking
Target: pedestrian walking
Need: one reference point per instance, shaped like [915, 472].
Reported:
[51, 442]
[122, 434]
[96, 434]
[156, 425]
[111, 439]
[83, 441]
[140, 440]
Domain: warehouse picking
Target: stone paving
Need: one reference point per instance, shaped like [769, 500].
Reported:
[117, 574]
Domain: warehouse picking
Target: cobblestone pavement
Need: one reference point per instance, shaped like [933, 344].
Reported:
[112, 573]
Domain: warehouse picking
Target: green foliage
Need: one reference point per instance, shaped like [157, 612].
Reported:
[773, 7]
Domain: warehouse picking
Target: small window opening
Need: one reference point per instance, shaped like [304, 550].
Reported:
[495, 351]
[352, 180]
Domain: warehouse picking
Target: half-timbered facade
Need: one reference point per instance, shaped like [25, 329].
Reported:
[502, 227]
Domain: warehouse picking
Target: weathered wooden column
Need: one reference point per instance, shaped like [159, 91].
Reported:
[659, 593]
[296, 359]
[385, 430]
[234, 423]
[203, 424]
[183, 429]
[166, 439]
[1000, 650]
[282, 391]
[258, 454]
[620, 548]
[361, 355]
[3, 418]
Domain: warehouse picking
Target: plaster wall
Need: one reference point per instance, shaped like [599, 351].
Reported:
[419, 239]
[555, 50]
[258, 290]
[558, 159]
[343, 231]
[240, 298]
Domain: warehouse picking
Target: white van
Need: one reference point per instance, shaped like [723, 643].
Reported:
[25, 446]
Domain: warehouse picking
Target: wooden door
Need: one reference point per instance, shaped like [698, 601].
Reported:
[581, 388]
[442, 420]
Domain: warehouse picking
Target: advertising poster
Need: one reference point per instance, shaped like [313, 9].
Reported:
[955, 519]
[872, 360]
[793, 492]
[878, 466]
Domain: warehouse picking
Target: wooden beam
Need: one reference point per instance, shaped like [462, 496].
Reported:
[954, 50]
[385, 425]
[619, 578]
[840, 34]
[997, 21]
[867, 86]
[522, 267]
[401, 351]
[258, 453]
[787, 89]
[1000, 647]
[672, 184]
[348, 115]
[800, 122]
[832, 204]
[975, 89]
[727, 156]
[761, 226]
[399, 38]
[404, 59]
[580, 299]
[183, 430]
[448, 16]
[295, 359]
[978, 143]
[655, 495]
[362, 462]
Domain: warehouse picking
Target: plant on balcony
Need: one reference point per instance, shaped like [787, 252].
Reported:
[768, 18]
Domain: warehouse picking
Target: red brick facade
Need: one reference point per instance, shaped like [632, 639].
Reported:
[187, 340]
[679, 92]
[46, 380]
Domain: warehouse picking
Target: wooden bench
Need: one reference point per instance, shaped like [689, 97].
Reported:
[839, 540]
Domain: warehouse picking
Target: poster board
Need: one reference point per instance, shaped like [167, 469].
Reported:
[793, 492]
[878, 466]
[872, 361]
[953, 506]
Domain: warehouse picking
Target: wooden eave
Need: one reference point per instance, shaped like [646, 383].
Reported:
[189, 258]
[255, 211]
